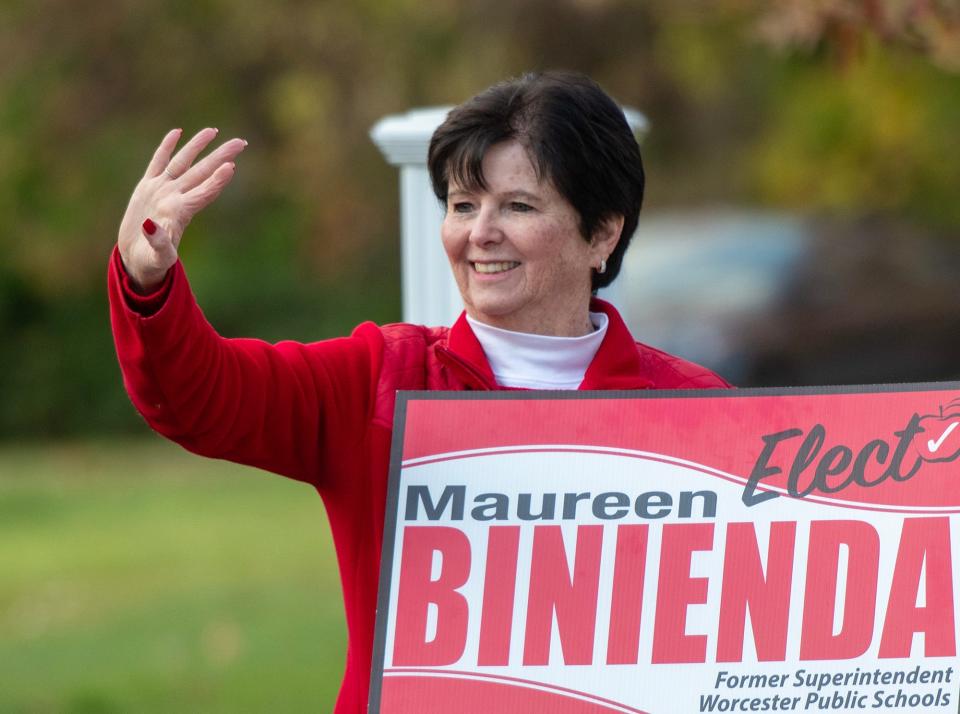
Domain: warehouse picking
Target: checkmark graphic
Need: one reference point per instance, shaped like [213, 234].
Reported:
[934, 445]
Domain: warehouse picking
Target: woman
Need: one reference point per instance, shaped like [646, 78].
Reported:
[542, 181]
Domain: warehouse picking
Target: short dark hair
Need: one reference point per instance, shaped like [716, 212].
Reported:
[575, 135]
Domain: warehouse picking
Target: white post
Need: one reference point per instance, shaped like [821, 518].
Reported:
[430, 295]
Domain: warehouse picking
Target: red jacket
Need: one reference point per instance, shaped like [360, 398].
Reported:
[323, 412]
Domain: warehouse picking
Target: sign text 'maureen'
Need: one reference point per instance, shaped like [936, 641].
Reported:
[451, 504]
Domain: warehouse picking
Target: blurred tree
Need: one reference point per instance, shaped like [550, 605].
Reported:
[862, 123]
[930, 26]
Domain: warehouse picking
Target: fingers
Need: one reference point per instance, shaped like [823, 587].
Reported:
[156, 234]
[179, 167]
[179, 164]
[205, 168]
[168, 205]
[161, 157]
[204, 194]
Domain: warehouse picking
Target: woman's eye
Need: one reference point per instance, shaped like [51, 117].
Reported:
[520, 207]
[461, 207]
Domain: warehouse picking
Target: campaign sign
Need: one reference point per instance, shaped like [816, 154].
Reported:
[703, 551]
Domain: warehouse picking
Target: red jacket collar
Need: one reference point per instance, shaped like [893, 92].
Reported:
[617, 364]
[464, 355]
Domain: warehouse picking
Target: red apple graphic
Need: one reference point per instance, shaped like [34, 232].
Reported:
[939, 438]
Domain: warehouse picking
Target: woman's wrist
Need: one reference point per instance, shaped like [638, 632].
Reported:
[143, 282]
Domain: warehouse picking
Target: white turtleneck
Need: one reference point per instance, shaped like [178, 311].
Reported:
[519, 359]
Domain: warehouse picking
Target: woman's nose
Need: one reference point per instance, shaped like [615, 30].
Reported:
[485, 228]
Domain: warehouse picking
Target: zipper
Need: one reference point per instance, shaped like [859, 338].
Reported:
[455, 361]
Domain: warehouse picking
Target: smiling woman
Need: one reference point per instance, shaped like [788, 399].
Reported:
[543, 182]
[516, 250]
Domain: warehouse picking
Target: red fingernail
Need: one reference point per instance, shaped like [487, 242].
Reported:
[149, 227]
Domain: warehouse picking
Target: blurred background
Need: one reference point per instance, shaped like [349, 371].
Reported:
[801, 226]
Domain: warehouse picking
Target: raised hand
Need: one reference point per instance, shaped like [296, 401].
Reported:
[170, 194]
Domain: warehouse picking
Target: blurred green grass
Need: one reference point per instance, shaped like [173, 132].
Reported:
[137, 577]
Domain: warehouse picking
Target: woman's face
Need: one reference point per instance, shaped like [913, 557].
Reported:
[516, 250]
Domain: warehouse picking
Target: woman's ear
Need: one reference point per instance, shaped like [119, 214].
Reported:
[606, 236]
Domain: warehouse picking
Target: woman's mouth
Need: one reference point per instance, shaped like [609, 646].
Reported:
[501, 267]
